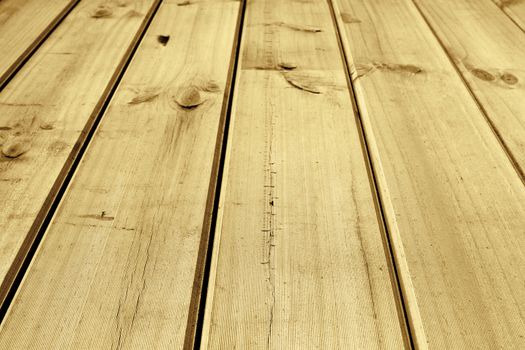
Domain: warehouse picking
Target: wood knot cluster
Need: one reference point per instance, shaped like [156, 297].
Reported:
[347, 18]
[505, 77]
[163, 39]
[287, 65]
[189, 97]
[211, 86]
[102, 12]
[482, 74]
[15, 147]
[508, 78]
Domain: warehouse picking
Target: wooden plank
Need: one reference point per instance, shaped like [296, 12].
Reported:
[23, 26]
[299, 260]
[50, 106]
[453, 203]
[489, 52]
[515, 9]
[116, 266]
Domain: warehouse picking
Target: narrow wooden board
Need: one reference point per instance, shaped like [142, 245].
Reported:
[116, 267]
[23, 25]
[489, 51]
[453, 202]
[515, 9]
[51, 105]
[299, 260]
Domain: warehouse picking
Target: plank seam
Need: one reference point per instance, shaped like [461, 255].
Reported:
[11, 72]
[195, 323]
[482, 109]
[501, 7]
[22, 261]
[387, 245]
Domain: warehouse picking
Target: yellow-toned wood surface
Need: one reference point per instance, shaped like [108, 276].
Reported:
[47, 110]
[489, 51]
[23, 25]
[299, 259]
[453, 202]
[115, 269]
[515, 9]
[262, 174]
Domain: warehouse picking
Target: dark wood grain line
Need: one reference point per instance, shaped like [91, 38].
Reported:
[195, 321]
[11, 71]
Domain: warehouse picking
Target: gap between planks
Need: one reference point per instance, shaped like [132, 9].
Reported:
[376, 195]
[26, 251]
[25, 55]
[458, 216]
[216, 134]
[514, 10]
[506, 149]
[194, 327]
[266, 339]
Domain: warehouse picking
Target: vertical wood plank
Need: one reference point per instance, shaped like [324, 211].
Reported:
[116, 267]
[299, 260]
[47, 111]
[453, 202]
[489, 51]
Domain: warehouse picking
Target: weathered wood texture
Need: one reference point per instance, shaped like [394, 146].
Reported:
[116, 267]
[47, 110]
[515, 9]
[489, 51]
[23, 25]
[453, 202]
[298, 260]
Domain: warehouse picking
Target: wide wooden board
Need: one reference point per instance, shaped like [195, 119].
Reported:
[299, 259]
[489, 51]
[49, 107]
[116, 267]
[23, 25]
[453, 201]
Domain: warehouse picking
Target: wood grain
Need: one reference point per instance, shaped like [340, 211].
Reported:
[116, 266]
[298, 260]
[515, 9]
[23, 25]
[489, 51]
[50, 107]
[452, 200]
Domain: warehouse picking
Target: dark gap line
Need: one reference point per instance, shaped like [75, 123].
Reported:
[35, 45]
[502, 8]
[194, 327]
[20, 265]
[387, 244]
[482, 109]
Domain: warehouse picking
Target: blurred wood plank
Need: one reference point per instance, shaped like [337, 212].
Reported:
[116, 267]
[489, 51]
[453, 201]
[48, 109]
[515, 9]
[299, 260]
[23, 25]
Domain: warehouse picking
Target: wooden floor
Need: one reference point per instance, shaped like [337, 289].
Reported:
[262, 174]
